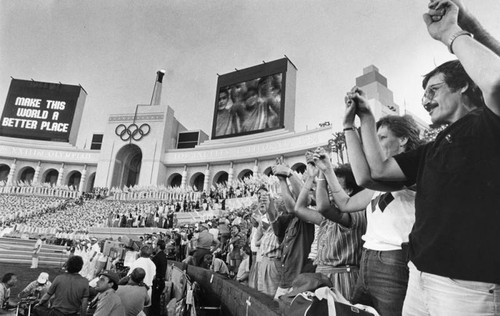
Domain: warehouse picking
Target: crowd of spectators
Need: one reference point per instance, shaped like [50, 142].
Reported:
[63, 218]
[362, 226]
[14, 208]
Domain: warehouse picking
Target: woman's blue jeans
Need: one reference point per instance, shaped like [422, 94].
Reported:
[382, 281]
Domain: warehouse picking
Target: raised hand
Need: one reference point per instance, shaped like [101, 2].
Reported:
[464, 16]
[442, 28]
[350, 112]
[281, 170]
[360, 100]
[310, 157]
[312, 171]
[322, 159]
[264, 201]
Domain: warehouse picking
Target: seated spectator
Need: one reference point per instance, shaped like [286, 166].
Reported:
[246, 263]
[108, 302]
[9, 280]
[215, 264]
[37, 288]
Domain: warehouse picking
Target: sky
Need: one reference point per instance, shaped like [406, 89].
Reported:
[113, 48]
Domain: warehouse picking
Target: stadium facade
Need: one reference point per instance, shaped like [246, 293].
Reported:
[151, 147]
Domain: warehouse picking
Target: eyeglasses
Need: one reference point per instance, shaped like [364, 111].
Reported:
[430, 93]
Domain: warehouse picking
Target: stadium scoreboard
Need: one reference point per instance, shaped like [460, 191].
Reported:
[42, 111]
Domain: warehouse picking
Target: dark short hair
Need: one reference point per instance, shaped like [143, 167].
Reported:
[345, 171]
[7, 276]
[146, 251]
[402, 126]
[161, 244]
[137, 275]
[456, 78]
[74, 264]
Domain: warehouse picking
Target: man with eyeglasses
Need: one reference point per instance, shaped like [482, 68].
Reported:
[453, 264]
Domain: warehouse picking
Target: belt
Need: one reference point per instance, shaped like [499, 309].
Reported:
[331, 269]
[270, 259]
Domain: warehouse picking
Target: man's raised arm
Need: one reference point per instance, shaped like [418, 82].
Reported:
[480, 62]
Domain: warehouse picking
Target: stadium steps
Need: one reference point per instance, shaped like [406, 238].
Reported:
[16, 250]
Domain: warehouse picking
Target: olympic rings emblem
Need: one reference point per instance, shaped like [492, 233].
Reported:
[132, 131]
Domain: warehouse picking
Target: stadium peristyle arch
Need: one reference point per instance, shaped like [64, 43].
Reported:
[74, 178]
[197, 181]
[175, 180]
[245, 174]
[4, 172]
[220, 177]
[50, 176]
[299, 167]
[268, 171]
[127, 167]
[27, 174]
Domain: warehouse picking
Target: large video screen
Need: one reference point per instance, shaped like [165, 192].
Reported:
[39, 110]
[249, 106]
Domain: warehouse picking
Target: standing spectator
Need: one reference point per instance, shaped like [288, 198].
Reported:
[339, 235]
[224, 232]
[149, 267]
[36, 251]
[236, 242]
[70, 291]
[9, 280]
[296, 235]
[204, 242]
[269, 273]
[134, 295]
[108, 302]
[93, 254]
[160, 261]
[383, 277]
[457, 175]
[255, 238]
[214, 230]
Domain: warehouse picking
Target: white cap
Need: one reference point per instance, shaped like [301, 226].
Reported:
[43, 277]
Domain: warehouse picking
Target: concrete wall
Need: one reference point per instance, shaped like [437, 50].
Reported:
[232, 296]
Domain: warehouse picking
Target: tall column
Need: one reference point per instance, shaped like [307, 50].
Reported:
[37, 173]
[83, 179]
[230, 175]
[256, 167]
[206, 182]
[60, 176]
[184, 177]
[12, 171]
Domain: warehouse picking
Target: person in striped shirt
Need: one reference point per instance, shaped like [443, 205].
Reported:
[268, 276]
[339, 234]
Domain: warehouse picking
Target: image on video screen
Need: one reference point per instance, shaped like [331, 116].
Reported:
[249, 106]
